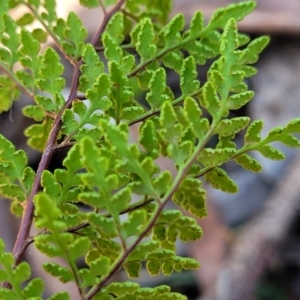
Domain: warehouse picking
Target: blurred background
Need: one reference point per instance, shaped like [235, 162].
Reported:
[251, 244]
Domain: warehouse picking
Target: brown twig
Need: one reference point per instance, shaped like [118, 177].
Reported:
[128, 14]
[25, 226]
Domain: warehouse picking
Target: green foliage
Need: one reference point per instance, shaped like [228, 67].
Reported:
[102, 170]
[16, 178]
[16, 276]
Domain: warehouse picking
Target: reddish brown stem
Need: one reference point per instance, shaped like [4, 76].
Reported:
[25, 226]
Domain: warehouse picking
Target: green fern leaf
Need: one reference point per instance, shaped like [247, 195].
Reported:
[216, 79]
[105, 226]
[34, 289]
[145, 45]
[134, 225]
[115, 27]
[7, 294]
[75, 34]
[40, 35]
[49, 15]
[122, 288]
[232, 126]
[11, 40]
[48, 213]
[173, 60]
[89, 3]
[229, 39]
[13, 167]
[113, 51]
[46, 245]
[142, 250]
[88, 278]
[108, 247]
[196, 24]
[157, 86]
[21, 273]
[79, 247]
[188, 75]
[272, 153]
[26, 19]
[237, 11]
[100, 266]
[38, 134]
[133, 269]
[192, 113]
[63, 274]
[153, 267]
[214, 157]
[50, 70]
[3, 10]
[219, 179]
[242, 95]
[253, 132]
[284, 134]
[211, 100]
[60, 296]
[180, 153]
[191, 197]
[248, 163]
[121, 92]
[162, 183]
[186, 227]
[120, 200]
[148, 139]
[254, 48]
[34, 112]
[91, 68]
[8, 93]
[172, 32]
[50, 185]
[98, 98]
[171, 131]
[13, 192]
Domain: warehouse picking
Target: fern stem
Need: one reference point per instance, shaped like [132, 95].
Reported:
[130, 208]
[25, 226]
